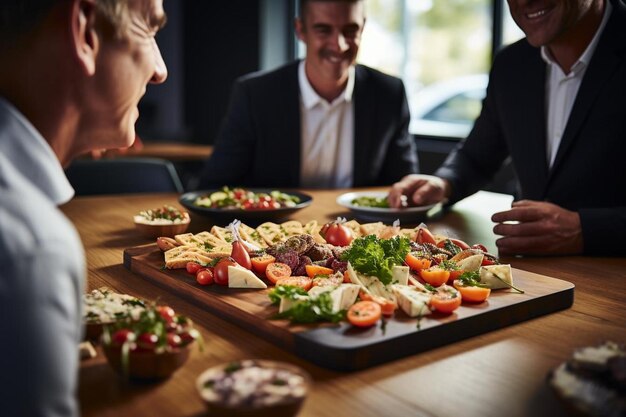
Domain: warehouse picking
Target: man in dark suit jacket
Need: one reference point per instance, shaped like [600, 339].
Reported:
[573, 191]
[261, 141]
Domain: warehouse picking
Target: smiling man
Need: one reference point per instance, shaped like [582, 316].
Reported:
[322, 122]
[555, 105]
[72, 74]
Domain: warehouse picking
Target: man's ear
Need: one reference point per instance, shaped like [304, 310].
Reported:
[299, 27]
[84, 35]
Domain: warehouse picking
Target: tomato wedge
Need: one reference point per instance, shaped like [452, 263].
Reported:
[276, 271]
[424, 236]
[240, 255]
[456, 242]
[472, 294]
[313, 270]
[387, 307]
[416, 262]
[446, 299]
[364, 314]
[435, 276]
[260, 263]
[299, 281]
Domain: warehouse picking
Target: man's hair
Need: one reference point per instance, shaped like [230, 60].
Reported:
[19, 17]
[302, 4]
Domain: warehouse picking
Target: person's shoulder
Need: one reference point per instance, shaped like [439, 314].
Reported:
[517, 53]
[264, 77]
[370, 79]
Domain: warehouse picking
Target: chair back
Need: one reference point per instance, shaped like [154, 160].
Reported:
[123, 175]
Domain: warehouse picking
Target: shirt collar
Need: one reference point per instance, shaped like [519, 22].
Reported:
[310, 98]
[584, 59]
[32, 155]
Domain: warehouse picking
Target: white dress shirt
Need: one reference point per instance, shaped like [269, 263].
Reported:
[41, 278]
[327, 136]
[561, 89]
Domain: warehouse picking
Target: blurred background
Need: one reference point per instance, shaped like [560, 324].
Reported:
[442, 49]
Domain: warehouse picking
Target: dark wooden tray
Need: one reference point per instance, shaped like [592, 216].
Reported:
[343, 347]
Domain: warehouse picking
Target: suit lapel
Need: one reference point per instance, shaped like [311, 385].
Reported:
[604, 63]
[363, 114]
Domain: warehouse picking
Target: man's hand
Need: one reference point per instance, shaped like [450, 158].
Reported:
[541, 229]
[420, 190]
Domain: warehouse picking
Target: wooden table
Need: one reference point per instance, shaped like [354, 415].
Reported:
[495, 374]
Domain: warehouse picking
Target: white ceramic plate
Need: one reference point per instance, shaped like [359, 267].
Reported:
[406, 215]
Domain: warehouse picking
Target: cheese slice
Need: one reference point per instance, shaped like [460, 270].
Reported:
[411, 300]
[400, 275]
[471, 263]
[343, 295]
[288, 303]
[494, 275]
[239, 277]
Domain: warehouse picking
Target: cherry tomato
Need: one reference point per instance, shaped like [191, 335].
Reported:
[205, 277]
[446, 299]
[174, 340]
[303, 282]
[147, 341]
[337, 234]
[220, 273]
[122, 336]
[193, 267]
[260, 263]
[435, 276]
[313, 270]
[240, 255]
[167, 313]
[387, 307]
[479, 247]
[424, 236]
[416, 262]
[472, 294]
[364, 313]
[276, 271]
[188, 336]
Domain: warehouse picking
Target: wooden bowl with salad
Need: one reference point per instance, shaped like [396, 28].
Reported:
[253, 388]
[166, 221]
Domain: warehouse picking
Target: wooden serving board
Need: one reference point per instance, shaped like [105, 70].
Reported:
[342, 346]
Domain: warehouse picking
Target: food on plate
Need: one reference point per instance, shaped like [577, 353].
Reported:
[364, 313]
[165, 221]
[242, 199]
[105, 306]
[593, 381]
[253, 388]
[471, 288]
[153, 345]
[370, 201]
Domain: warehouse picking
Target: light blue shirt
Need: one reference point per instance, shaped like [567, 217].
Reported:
[42, 274]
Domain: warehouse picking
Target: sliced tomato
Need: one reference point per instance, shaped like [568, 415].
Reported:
[314, 270]
[260, 263]
[454, 275]
[424, 236]
[387, 307]
[435, 276]
[298, 281]
[276, 271]
[479, 247]
[328, 280]
[487, 261]
[417, 262]
[472, 294]
[446, 299]
[364, 313]
[346, 277]
[240, 255]
[456, 242]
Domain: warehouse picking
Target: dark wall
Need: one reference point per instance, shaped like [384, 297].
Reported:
[221, 43]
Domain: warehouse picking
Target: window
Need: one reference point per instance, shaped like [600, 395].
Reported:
[442, 49]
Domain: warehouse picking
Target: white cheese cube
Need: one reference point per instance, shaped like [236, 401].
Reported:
[400, 275]
[411, 300]
[496, 276]
[239, 277]
[287, 303]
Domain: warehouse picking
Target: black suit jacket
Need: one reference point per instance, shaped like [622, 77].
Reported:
[589, 172]
[259, 141]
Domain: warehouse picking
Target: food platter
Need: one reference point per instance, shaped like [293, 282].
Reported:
[409, 215]
[225, 215]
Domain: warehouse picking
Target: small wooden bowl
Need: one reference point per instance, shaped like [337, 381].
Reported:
[163, 230]
[147, 365]
[286, 408]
